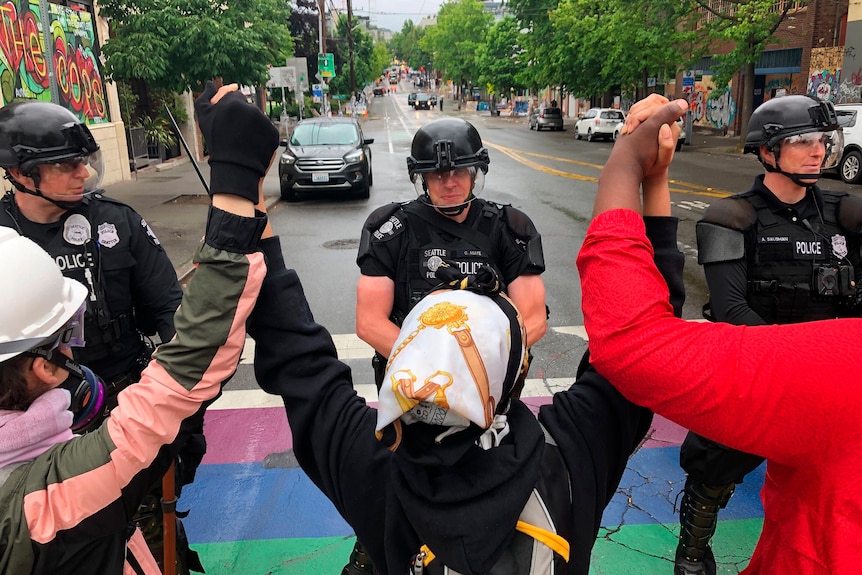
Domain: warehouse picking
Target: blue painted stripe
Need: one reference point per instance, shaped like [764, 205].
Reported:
[245, 501]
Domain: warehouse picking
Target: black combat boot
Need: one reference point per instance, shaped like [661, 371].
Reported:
[698, 517]
[360, 562]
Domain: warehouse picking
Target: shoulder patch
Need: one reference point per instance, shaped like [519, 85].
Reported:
[151, 235]
[734, 212]
[385, 222]
[388, 229]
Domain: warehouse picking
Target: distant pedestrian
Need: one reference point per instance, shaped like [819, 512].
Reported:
[440, 100]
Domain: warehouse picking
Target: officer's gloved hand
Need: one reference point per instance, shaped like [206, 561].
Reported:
[484, 282]
[241, 142]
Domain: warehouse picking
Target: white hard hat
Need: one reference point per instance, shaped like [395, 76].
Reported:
[35, 299]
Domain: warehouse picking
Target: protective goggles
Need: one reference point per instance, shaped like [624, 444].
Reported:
[71, 334]
[832, 141]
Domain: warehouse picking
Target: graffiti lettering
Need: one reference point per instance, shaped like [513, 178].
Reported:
[824, 84]
[23, 69]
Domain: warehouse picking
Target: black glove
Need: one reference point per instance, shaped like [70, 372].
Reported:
[484, 282]
[241, 142]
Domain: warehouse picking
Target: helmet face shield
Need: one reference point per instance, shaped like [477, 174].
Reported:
[833, 141]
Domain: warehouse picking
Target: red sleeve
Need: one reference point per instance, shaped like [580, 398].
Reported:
[784, 392]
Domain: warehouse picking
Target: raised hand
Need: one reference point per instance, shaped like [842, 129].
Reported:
[241, 141]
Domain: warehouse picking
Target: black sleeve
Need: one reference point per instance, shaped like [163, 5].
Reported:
[521, 249]
[156, 291]
[728, 283]
[661, 232]
[332, 427]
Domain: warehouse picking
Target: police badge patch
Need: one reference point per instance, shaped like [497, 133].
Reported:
[76, 230]
[108, 236]
[839, 246]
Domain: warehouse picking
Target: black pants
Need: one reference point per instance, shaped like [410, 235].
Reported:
[714, 464]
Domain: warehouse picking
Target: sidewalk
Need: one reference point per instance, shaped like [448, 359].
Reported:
[172, 199]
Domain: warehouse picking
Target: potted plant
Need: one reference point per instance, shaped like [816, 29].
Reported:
[160, 136]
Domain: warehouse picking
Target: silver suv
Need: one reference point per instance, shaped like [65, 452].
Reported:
[850, 165]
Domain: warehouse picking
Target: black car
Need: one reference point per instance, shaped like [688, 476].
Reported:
[411, 99]
[325, 155]
[422, 102]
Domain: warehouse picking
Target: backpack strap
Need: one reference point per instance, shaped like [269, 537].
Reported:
[549, 538]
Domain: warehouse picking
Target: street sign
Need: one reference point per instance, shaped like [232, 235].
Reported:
[326, 65]
[301, 67]
[277, 77]
[317, 90]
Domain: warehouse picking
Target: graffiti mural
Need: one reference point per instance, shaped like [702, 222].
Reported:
[824, 84]
[23, 67]
[24, 64]
[717, 112]
[850, 89]
[78, 76]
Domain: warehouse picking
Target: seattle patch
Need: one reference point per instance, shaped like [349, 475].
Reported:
[76, 230]
[150, 233]
[108, 236]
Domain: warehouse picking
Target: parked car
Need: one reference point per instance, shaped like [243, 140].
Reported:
[546, 117]
[380, 90]
[850, 165]
[423, 101]
[598, 123]
[325, 155]
[680, 140]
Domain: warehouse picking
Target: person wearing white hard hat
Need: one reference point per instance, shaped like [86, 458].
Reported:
[67, 499]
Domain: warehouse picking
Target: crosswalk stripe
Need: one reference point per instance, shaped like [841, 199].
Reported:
[349, 346]
[256, 398]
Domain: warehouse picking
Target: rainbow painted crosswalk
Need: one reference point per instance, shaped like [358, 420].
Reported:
[255, 512]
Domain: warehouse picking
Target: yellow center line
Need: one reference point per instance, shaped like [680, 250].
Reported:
[676, 186]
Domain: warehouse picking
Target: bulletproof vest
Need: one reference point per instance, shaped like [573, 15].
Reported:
[791, 260]
[539, 545]
[427, 246]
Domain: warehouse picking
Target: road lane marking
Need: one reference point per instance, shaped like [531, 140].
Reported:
[676, 186]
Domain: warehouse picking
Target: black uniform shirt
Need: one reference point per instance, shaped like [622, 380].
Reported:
[106, 245]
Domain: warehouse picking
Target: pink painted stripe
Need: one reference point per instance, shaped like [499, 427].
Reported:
[265, 430]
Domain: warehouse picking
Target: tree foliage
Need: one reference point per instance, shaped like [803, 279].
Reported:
[406, 45]
[179, 44]
[498, 60]
[304, 29]
[460, 31]
[364, 65]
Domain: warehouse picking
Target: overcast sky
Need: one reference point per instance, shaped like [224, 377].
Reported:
[391, 14]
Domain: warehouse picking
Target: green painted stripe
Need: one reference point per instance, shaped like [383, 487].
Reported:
[629, 549]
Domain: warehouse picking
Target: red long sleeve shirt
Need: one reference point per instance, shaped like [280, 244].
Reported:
[788, 393]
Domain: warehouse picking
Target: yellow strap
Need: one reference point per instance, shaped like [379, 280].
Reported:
[552, 540]
[429, 555]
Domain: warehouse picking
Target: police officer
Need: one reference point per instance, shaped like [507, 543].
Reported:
[402, 245]
[785, 251]
[55, 167]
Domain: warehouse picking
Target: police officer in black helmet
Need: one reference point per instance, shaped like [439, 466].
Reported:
[403, 245]
[785, 251]
[54, 166]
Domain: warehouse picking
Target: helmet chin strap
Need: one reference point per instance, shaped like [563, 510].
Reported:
[450, 211]
[39, 194]
[795, 178]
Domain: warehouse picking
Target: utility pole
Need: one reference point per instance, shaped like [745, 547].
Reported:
[322, 9]
[350, 46]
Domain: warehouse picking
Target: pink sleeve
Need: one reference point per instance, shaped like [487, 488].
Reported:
[750, 388]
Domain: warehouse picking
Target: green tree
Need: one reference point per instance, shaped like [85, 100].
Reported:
[406, 45]
[460, 30]
[364, 63]
[545, 51]
[179, 44]
[616, 45]
[498, 59]
[748, 25]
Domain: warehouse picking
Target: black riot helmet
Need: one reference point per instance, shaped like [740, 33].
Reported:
[34, 133]
[446, 144]
[784, 117]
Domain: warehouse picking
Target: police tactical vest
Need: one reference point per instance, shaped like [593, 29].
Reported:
[75, 248]
[427, 246]
[540, 543]
[782, 267]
